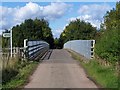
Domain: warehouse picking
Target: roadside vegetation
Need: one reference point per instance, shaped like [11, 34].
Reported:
[103, 76]
[105, 68]
[77, 30]
[108, 38]
[15, 73]
[37, 29]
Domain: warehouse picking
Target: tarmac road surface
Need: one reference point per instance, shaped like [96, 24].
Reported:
[60, 71]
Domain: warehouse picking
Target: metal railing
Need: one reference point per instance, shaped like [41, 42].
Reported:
[83, 47]
[35, 49]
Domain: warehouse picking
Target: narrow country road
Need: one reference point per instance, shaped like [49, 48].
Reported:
[60, 71]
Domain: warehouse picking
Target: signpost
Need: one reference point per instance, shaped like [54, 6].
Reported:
[10, 36]
[6, 34]
[11, 41]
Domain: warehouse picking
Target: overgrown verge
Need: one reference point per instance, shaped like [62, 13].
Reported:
[14, 78]
[104, 76]
[107, 47]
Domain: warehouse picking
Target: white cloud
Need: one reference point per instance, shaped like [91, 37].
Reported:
[6, 15]
[31, 10]
[56, 33]
[55, 10]
[49, 12]
[95, 10]
[66, 25]
[82, 17]
[13, 16]
[92, 13]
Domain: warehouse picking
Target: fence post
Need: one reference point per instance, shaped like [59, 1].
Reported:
[17, 52]
[25, 48]
[14, 51]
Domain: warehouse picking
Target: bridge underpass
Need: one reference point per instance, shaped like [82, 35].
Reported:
[59, 71]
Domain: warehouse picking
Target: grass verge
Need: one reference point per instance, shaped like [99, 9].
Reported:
[104, 76]
[22, 77]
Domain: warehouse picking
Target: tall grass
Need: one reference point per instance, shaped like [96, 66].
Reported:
[10, 66]
[22, 77]
[9, 69]
[104, 76]
[15, 71]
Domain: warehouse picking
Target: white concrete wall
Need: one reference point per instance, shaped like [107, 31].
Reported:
[83, 47]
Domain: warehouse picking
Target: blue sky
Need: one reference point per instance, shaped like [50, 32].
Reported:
[58, 14]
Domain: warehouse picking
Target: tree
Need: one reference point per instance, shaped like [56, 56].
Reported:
[37, 29]
[112, 18]
[77, 30]
[107, 46]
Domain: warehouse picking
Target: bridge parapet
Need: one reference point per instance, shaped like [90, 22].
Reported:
[35, 49]
[83, 47]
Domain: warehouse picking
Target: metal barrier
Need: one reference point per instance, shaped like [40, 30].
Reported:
[83, 47]
[35, 49]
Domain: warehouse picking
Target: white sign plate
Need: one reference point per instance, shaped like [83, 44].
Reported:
[6, 34]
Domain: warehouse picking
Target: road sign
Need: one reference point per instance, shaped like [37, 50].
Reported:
[6, 34]
[10, 36]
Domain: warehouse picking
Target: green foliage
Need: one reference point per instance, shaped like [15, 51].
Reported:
[10, 68]
[77, 30]
[105, 76]
[21, 77]
[112, 18]
[31, 30]
[107, 45]
[8, 74]
[56, 43]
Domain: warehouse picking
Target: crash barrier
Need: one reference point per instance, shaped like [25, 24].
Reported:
[83, 47]
[35, 49]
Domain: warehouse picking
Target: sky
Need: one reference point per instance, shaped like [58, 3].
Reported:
[58, 14]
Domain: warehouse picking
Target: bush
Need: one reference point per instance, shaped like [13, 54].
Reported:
[107, 47]
[10, 68]
[21, 78]
[104, 76]
[8, 74]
